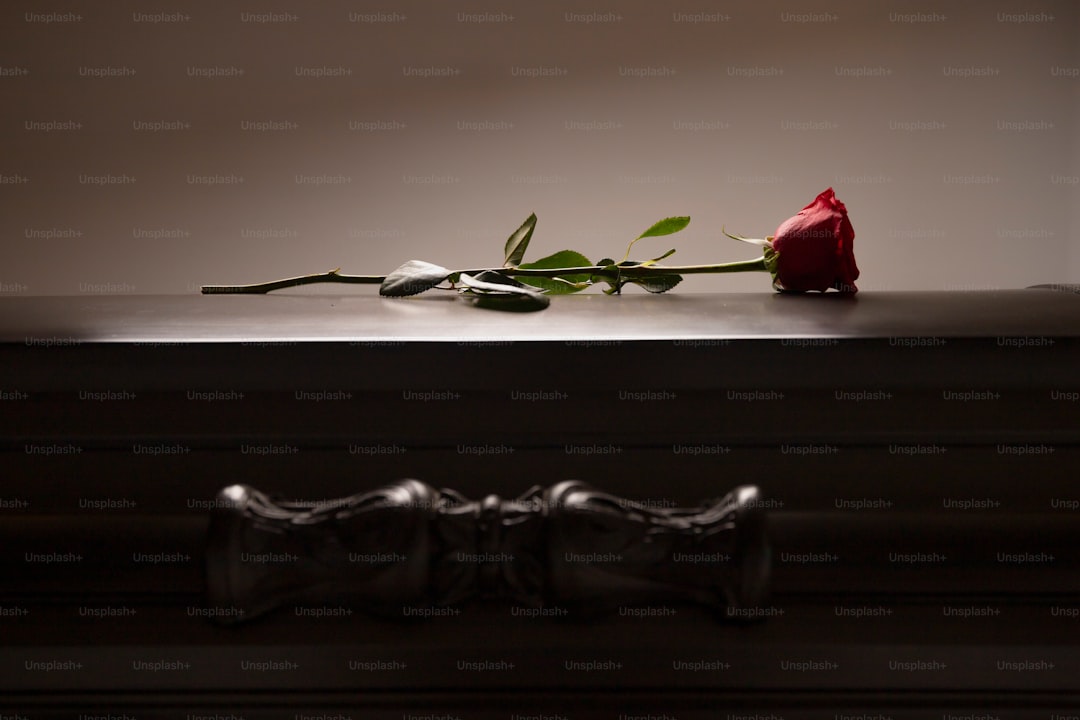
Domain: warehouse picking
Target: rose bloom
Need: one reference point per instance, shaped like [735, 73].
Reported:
[814, 248]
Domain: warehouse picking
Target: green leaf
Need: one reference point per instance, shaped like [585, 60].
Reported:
[561, 284]
[415, 276]
[491, 289]
[519, 241]
[655, 260]
[658, 283]
[667, 226]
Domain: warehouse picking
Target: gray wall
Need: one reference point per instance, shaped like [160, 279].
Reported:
[948, 128]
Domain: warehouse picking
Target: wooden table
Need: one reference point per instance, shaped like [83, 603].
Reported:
[918, 450]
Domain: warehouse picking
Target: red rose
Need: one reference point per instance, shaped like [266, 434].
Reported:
[813, 250]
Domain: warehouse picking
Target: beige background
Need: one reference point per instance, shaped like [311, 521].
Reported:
[948, 128]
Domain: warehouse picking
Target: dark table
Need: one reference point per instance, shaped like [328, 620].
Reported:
[918, 451]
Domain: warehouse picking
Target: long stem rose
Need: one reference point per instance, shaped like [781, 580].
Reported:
[810, 251]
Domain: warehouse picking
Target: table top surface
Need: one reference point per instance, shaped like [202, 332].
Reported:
[364, 316]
